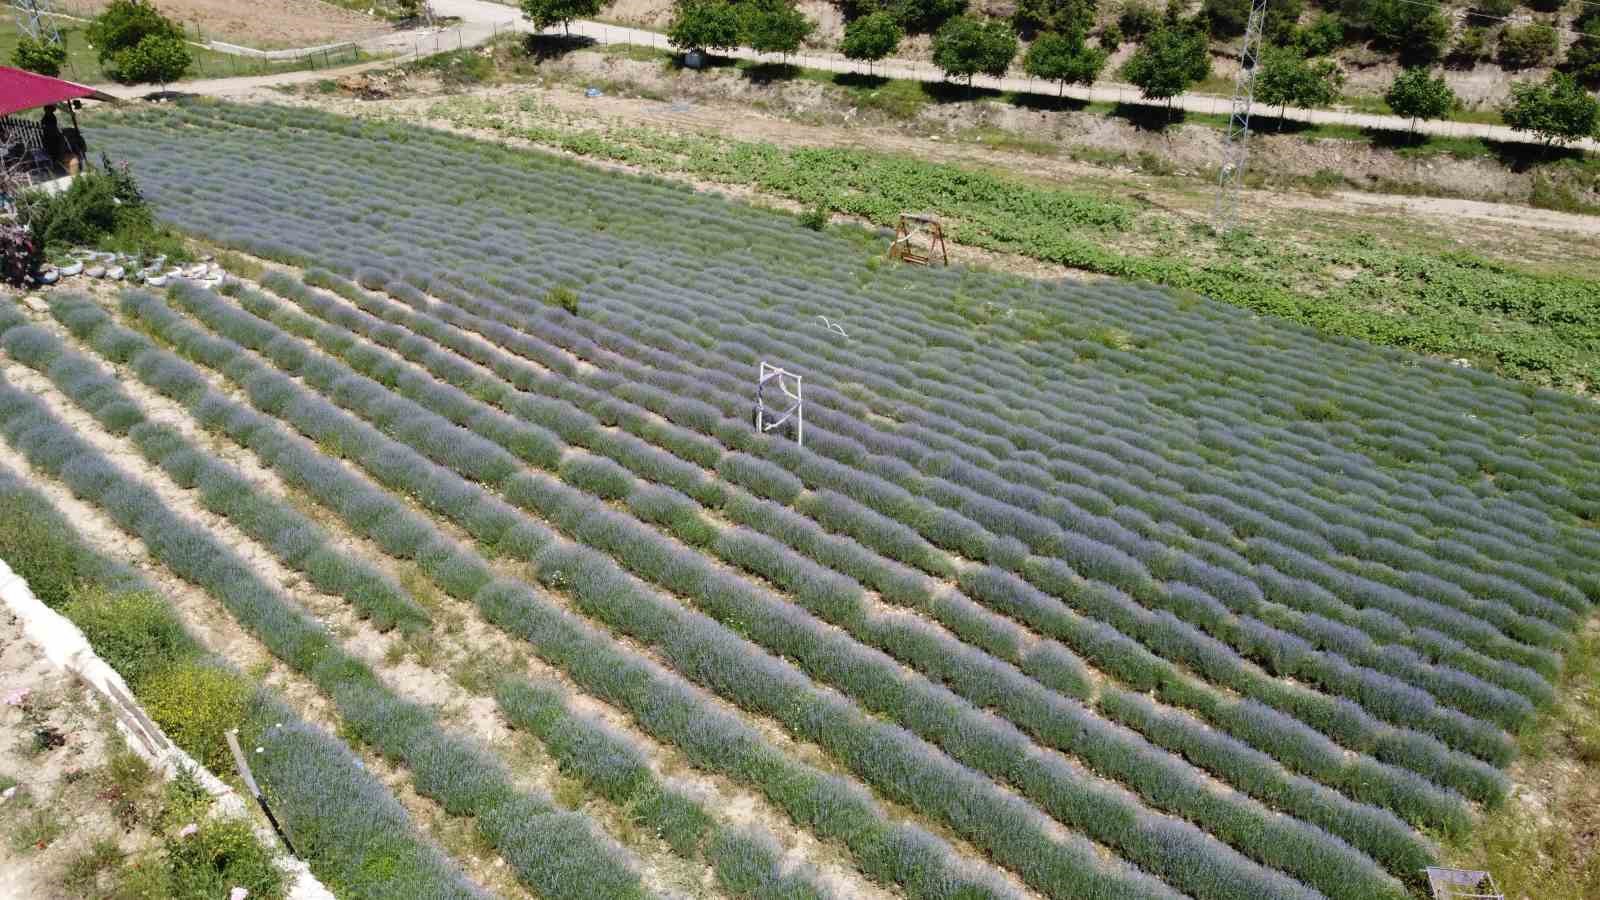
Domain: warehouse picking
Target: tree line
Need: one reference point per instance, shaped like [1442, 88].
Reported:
[1174, 48]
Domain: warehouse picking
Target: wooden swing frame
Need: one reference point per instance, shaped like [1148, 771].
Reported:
[912, 224]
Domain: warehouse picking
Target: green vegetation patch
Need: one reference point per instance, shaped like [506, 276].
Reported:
[1536, 326]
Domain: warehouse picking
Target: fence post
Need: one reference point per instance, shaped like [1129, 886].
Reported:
[243, 766]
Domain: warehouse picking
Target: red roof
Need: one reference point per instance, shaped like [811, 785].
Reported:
[21, 90]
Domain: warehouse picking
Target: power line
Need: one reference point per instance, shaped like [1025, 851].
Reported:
[1463, 14]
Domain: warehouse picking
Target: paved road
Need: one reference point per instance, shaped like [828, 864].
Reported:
[481, 20]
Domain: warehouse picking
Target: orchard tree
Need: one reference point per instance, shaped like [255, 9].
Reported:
[137, 44]
[774, 26]
[704, 25]
[1065, 59]
[1415, 94]
[1284, 77]
[871, 38]
[544, 13]
[966, 46]
[1557, 110]
[1169, 61]
[41, 56]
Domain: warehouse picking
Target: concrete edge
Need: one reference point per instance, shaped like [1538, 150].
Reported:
[294, 53]
[66, 648]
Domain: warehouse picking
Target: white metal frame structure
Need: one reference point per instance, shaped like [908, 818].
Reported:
[771, 377]
[1226, 210]
[35, 19]
[1462, 884]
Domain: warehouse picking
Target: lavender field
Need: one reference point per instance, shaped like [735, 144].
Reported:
[1073, 590]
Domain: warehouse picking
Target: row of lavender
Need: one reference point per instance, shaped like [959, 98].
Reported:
[1456, 654]
[831, 595]
[1491, 751]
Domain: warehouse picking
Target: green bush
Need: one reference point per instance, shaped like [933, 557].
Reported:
[101, 208]
[1471, 46]
[196, 704]
[222, 855]
[1137, 19]
[563, 296]
[136, 633]
[1522, 46]
[816, 218]
[34, 55]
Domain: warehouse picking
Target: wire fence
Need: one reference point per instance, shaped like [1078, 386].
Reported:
[1120, 94]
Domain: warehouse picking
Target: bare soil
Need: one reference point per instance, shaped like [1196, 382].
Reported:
[265, 24]
[53, 740]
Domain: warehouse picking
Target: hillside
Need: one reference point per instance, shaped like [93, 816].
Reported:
[1071, 588]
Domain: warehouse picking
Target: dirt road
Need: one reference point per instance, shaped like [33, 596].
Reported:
[481, 20]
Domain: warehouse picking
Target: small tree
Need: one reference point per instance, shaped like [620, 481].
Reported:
[1522, 46]
[1285, 77]
[774, 26]
[1064, 59]
[1170, 60]
[871, 37]
[544, 13]
[1557, 110]
[43, 57]
[1416, 94]
[966, 46]
[704, 25]
[137, 44]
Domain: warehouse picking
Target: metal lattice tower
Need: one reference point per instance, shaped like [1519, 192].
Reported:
[1238, 145]
[36, 19]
